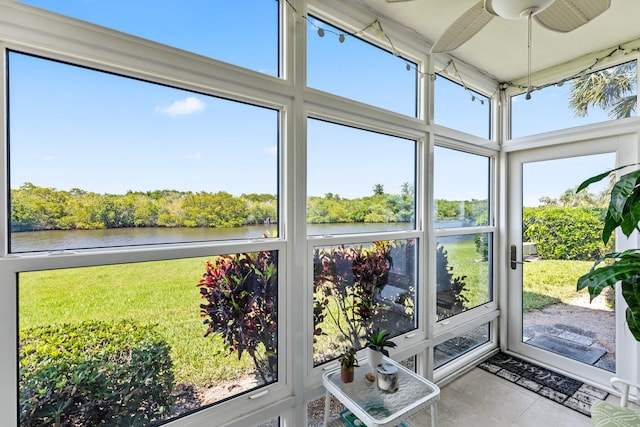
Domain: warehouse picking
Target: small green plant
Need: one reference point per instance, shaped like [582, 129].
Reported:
[348, 358]
[623, 267]
[378, 340]
[94, 373]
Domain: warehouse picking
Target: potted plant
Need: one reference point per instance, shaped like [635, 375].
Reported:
[623, 267]
[348, 363]
[376, 344]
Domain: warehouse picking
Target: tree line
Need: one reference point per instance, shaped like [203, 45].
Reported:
[35, 208]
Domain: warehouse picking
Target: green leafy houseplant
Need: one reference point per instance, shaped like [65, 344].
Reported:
[378, 339]
[623, 267]
[348, 363]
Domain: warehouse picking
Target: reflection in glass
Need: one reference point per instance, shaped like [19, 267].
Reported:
[125, 162]
[463, 277]
[221, 29]
[609, 94]
[359, 70]
[460, 199]
[85, 333]
[460, 108]
[460, 345]
[358, 181]
[360, 287]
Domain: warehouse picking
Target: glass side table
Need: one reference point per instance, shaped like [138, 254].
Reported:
[376, 408]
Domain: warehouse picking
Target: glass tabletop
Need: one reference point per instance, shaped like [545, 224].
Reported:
[374, 406]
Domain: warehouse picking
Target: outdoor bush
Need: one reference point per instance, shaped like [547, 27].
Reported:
[349, 277]
[481, 240]
[446, 282]
[93, 373]
[241, 291]
[565, 233]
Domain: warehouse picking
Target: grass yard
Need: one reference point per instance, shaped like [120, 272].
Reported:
[165, 293]
[548, 282]
[545, 281]
[160, 292]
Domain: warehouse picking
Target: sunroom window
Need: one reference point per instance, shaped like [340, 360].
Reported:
[121, 162]
[358, 181]
[142, 343]
[360, 287]
[359, 70]
[460, 345]
[460, 108]
[241, 32]
[577, 101]
[464, 233]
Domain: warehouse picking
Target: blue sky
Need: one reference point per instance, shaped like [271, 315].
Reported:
[77, 128]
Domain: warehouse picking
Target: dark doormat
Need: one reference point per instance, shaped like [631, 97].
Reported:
[567, 348]
[567, 391]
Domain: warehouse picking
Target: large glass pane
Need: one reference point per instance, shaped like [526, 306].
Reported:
[359, 287]
[358, 181]
[126, 344]
[463, 273]
[242, 32]
[460, 108]
[561, 235]
[455, 347]
[115, 161]
[609, 94]
[359, 70]
[460, 199]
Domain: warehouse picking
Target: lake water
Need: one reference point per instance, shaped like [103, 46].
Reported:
[58, 240]
[83, 239]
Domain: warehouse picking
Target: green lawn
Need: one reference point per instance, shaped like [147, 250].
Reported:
[160, 292]
[165, 293]
[551, 281]
[545, 281]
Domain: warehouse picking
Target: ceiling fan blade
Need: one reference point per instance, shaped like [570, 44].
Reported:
[465, 27]
[567, 15]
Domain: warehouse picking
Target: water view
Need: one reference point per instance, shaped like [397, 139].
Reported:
[56, 240]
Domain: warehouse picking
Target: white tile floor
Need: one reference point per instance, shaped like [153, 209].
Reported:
[481, 399]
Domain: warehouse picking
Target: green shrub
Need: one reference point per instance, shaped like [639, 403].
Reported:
[241, 291]
[564, 233]
[481, 240]
[449, 288]
[93, 373]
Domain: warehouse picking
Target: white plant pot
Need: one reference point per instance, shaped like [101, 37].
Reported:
[374, 358]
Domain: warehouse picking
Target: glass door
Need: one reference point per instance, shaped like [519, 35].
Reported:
[554, 238]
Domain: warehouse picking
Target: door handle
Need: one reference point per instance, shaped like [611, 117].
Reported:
[514, 252]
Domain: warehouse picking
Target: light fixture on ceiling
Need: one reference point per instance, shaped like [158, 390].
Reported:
[556, 15]
[516, 9]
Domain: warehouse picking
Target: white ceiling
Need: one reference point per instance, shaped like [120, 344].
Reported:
[500, 48]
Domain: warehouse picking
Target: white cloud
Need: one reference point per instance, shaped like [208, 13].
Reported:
[195, 156]
[182, 107]
[271, 150]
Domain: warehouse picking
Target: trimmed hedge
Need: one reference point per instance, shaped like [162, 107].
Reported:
[565, 233]
[94, 373]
